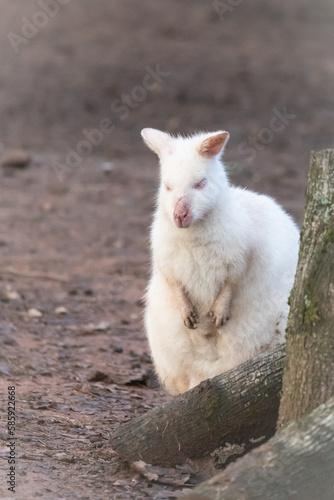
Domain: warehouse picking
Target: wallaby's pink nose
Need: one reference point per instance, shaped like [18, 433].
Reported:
[182, 214]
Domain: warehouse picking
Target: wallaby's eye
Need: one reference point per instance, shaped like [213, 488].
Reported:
[201, 184]
[167, 187]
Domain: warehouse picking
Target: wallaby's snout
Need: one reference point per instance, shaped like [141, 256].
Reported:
[182, 214]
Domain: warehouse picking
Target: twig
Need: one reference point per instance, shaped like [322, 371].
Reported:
[36, 275]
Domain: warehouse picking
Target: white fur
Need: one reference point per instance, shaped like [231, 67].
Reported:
[235, 236]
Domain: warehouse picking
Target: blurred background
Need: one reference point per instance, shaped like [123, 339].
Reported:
[68, 64]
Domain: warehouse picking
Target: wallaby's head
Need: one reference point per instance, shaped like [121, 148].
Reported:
[192, 176]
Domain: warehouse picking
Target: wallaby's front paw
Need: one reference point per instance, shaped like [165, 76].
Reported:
[220, 310]
[191, 319]
[219, 318]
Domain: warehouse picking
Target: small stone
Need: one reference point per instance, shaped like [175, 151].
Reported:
[9, 341]
[17, 158]
[107, 167]
[34, 313]
[102, 326]
[13, 295]
[64, 457]
[6, 328]
[90, 328]
[4, 370]
[47, 207]
[118, 350]
[61, 310]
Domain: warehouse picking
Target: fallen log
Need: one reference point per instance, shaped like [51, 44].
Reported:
[297, 463]
[237, 407]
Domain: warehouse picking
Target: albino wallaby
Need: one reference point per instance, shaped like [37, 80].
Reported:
[224, 260]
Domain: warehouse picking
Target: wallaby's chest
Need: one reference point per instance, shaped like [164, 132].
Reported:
[200, 268]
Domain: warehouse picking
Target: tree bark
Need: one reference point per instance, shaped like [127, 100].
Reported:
[239, 407]
[297, 463]
[309, 371]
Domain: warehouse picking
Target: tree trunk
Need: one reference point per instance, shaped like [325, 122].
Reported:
[309, 371]
[297, 463]
[240, 406]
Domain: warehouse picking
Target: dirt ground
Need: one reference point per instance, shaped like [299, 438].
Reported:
[74, 225]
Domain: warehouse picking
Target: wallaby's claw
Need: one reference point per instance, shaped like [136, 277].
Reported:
[218, 321]
[189, 324]
[224, 319]
[191, 320]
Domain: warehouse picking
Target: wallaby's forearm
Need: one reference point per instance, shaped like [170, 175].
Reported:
[220, 310]
[187, 309]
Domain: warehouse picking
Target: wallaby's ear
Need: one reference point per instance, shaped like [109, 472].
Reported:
[159, 142]
[214, 144]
